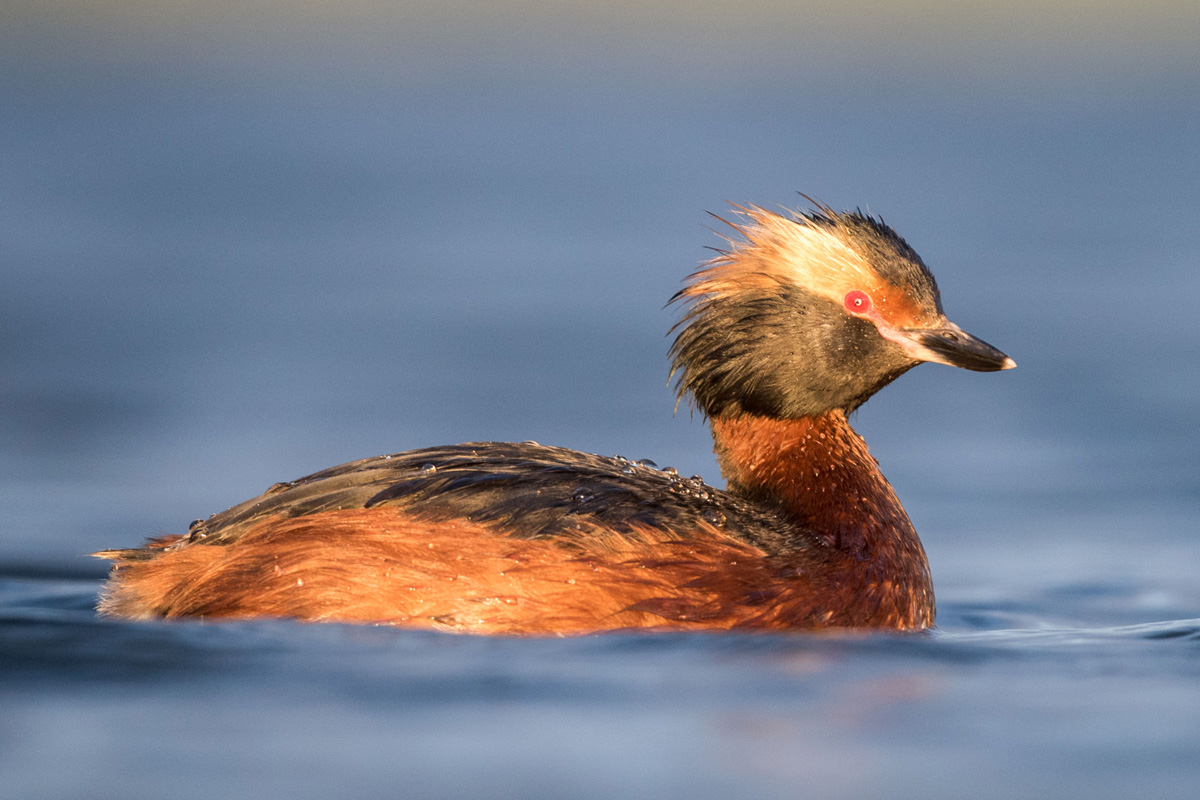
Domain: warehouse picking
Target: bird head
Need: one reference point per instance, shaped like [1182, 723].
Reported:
[811, 311]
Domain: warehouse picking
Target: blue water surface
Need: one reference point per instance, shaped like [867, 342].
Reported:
[235, 249]
[241, 709]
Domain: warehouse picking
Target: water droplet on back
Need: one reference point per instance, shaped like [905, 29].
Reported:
[428, 468]
[583, 495]
[714, 517]
[646, 462]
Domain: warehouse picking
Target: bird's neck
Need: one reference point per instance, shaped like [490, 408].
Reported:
[821, 473]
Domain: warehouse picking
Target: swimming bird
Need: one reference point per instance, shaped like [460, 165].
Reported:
[790, 328]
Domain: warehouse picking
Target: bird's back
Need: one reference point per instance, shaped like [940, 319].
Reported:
[520, 490]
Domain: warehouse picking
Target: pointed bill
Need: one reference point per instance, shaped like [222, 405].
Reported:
[949, 344]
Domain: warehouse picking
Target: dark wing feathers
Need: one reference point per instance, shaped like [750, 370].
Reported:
[525, 490]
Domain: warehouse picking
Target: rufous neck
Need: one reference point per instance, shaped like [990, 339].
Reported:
[824, 478]
[819, 469]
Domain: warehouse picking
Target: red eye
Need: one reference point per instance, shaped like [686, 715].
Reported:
[857, 302]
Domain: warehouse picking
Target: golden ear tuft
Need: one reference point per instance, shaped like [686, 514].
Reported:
[774, 249]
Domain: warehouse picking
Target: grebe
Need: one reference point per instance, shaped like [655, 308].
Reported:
[803, 318]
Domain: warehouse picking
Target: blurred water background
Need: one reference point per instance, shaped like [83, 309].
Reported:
[240, 242]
